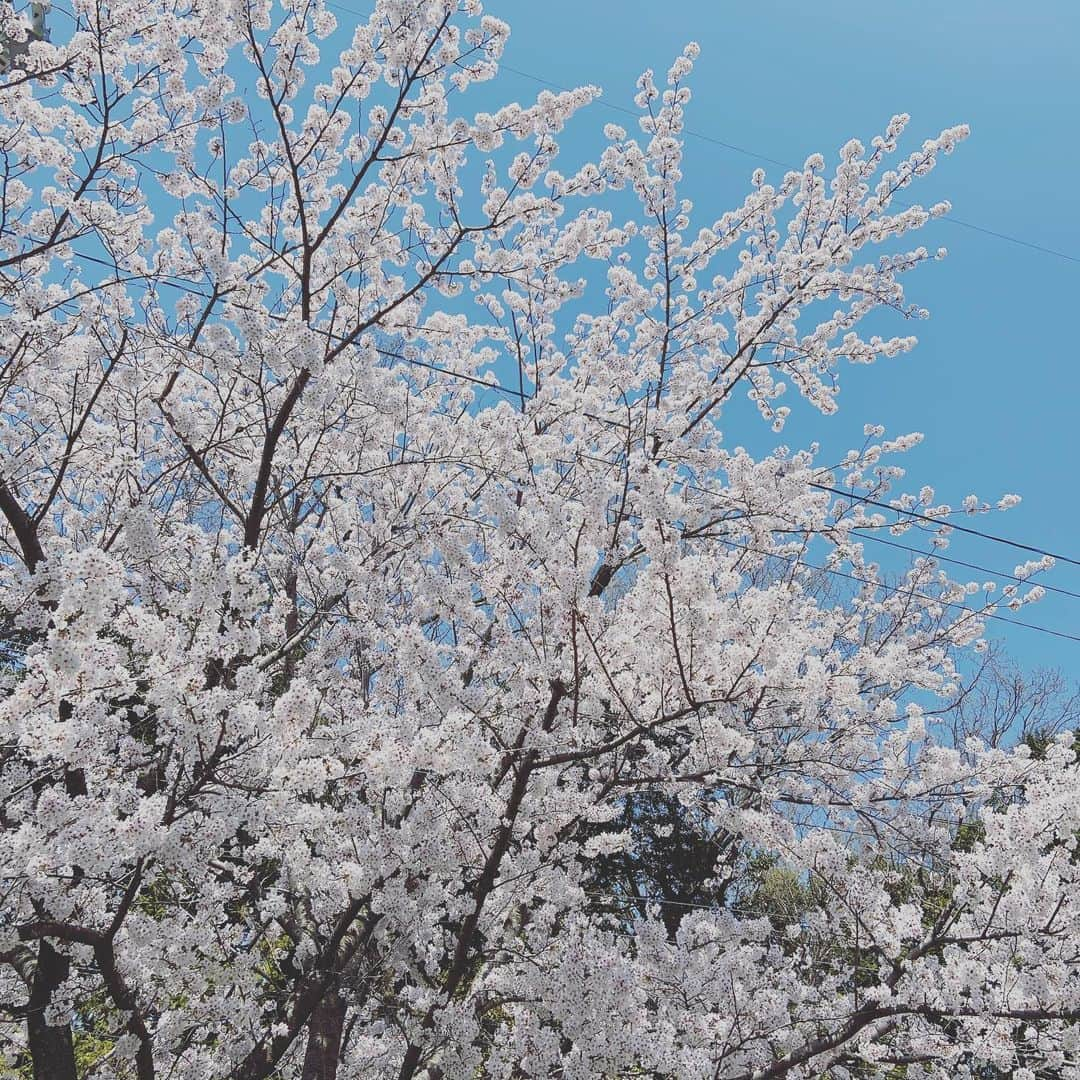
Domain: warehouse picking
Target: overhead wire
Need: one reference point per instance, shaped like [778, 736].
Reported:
[1010, 238]
[736, 148]
[916, 595]
[856, 497]
[894, 589]
[882, 540]
[863, 533]
[968, 565]
[703, 137]
[866, 535]
[940, 521]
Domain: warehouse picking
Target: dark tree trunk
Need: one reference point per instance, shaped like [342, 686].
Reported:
[51, 1048]
[324, 1038]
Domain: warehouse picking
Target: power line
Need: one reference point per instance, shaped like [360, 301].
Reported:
[867, 536]
[1008, 237]
[894, 589]
[970, 566]
[928, 554]
[636, 114]
[855, 497]
[911, 592]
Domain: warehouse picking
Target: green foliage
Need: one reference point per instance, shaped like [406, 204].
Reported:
[92, 1031]
[969, 834]
[776, 891]
[671, 861]
[274, 953]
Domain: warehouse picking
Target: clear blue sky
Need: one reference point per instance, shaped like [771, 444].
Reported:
[994, 383]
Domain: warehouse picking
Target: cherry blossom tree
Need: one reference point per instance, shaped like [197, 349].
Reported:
[377, 575]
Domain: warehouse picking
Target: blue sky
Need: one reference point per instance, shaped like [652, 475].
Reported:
[994, 383]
